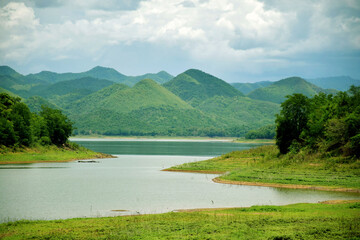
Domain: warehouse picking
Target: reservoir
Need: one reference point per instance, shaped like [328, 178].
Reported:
[133, 183]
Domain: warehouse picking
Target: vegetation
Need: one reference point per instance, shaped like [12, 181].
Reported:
[49, 153]
[194, 86]
[20, 127]
[265, 165]
[325, 123]
[266, 132]
[297, 221]
[277, 91]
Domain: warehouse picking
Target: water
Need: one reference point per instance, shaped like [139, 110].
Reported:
[134, 183]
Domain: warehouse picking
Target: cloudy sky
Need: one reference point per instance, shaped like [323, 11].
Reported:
[236, 40]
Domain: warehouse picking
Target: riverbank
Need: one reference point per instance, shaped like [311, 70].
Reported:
[52, 153]
[150, 138]
[328, 220]
[263, 166]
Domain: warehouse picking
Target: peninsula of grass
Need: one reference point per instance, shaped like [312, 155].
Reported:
[328, 220]
[264, 166]
[49, 153]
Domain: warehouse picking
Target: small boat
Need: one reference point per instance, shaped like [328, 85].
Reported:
[87, 161]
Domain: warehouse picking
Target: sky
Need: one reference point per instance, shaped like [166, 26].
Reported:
[235, 40]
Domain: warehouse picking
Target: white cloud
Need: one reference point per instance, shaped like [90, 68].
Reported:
[229, 33]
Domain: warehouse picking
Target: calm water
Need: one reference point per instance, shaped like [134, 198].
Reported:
[134, 183]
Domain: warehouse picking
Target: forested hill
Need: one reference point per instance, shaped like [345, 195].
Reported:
[278, 91]
[195, 86]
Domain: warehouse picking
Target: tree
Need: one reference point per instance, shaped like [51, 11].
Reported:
[58, 125]
[291, 121]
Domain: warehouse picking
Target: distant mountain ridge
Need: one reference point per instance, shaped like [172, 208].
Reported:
[278, 91]
[341, 83]
[194, 103]
[246, 88]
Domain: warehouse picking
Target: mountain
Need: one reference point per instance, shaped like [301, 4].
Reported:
[8, 71]
[278, 91]
[34, 103]
[100, 73]
[341, 83]
[145, 109]
[194, 86]
[246, 88]
[64, 87]
[239, 113]
[160, 77]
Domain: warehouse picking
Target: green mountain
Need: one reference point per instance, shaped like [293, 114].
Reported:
[160, 77]
[239, 113]
[8, 71]
[145, 109]
[278, 91]
[34, 103]
[246, 88]
[100, 73]
[341, 83]
[195, 86]
[64, 87]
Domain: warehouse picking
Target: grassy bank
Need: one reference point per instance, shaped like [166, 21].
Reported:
[297, 221]
[264, 166]
[51, 153]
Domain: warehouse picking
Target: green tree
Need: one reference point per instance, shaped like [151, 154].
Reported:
[291, 121]
[58, 125]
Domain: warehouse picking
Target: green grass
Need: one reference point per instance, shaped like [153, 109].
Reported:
[264, 165]
[47, 154]
[297, 221]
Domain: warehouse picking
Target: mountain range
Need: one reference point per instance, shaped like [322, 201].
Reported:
[193, 103]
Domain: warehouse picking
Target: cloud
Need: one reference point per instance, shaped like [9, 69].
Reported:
[225, 34]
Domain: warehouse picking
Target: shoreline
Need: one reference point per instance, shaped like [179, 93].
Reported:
[145, 139]
[263, 184]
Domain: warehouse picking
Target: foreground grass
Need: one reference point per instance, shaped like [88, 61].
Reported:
[48, 154]
[263, 165]
[297, 221]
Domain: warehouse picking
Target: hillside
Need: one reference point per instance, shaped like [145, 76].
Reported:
[160, 77]
[194, 86]
[241, 113]
[147, 108]
[278, 91]
[341, 83]
[34, 103]
[246, 88]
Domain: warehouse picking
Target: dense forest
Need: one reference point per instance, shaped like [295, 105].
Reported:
[21, 128]
[324, 123]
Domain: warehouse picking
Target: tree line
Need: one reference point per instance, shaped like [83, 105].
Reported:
[324, 123]
[21, 128]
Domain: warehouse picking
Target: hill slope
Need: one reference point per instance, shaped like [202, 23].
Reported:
[145, 109]
[277, 91]
[195, 86]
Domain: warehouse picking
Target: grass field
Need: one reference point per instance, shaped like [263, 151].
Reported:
[48, 154]
[264, 165]
[297, 221]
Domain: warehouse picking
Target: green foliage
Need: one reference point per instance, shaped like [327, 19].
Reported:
[266, 132]
[329, 124]
[58, 125]
[19, 127]
[291, 121]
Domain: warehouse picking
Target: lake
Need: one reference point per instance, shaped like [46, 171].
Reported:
[133, 183]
